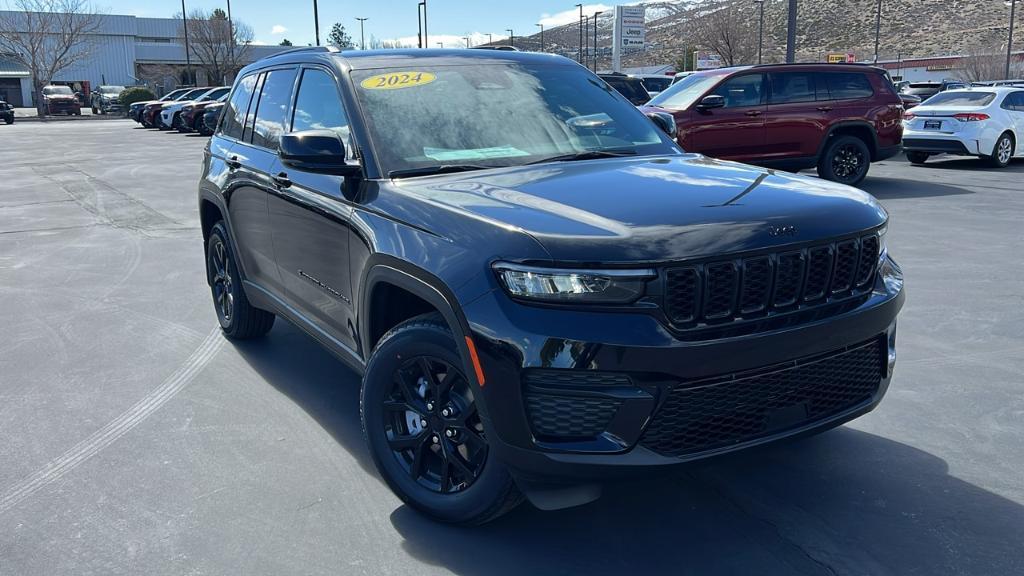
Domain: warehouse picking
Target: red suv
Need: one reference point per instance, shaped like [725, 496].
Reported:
[837, 117]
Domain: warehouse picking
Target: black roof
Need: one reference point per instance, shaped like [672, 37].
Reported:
[369, 59]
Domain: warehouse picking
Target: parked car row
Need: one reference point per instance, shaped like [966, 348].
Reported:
[184, 110]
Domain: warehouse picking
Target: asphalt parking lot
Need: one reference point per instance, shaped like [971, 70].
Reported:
[135, 440]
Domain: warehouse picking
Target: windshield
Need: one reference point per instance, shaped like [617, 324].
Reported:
[192, 95]
[111, 89]
[962, 99]
[214, 94]
[58, 90]
[684, 93]
[506, 114]
[657, 84]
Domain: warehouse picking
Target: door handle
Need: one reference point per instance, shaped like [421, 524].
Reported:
[824, 109]
[232, 162]
[282, 181]
[754, 113]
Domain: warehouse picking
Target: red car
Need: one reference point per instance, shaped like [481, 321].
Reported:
[61, 100]
[192, 114]
[836, 117]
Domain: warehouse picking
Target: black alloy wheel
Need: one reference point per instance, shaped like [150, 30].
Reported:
[221, 280]
[432, 425]
[846, 160]
[238, 318]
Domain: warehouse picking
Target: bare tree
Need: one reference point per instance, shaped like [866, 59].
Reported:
[47, 37]
[220, 46]
[983, 62]
[728, 28]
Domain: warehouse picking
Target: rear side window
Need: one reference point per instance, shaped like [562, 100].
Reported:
[848, 85]
[741, 91]
[272, 110]
[1014, 101]
[790, 87]
[238, 106]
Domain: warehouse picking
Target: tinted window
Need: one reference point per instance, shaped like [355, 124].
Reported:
[792, 87]
[631, 88]
[747, 90]
[656, 84]
[685, 91]
[318, 106]
[272, 111]
[214, 94]
[848, 85]
[1014, 101]
[962, 98]
[234, 116]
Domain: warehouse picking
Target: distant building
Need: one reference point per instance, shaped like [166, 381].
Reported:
[126, 51]
[938, 68]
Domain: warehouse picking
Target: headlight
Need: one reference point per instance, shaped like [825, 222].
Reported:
[573, 286]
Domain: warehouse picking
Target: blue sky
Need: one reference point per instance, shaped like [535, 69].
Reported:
[449, 20]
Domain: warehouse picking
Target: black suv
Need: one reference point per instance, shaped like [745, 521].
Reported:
[6, 112]
[539, 288]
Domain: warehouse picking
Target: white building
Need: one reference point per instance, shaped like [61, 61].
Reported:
[124, 51]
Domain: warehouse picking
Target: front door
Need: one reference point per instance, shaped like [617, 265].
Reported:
[311, 218]
[736, 131]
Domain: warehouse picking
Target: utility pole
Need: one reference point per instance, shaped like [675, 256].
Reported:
[362, 35]
[419, 25]
[231, 41]
[878, 27]
[596, 14]
[511, 37]
[184, 30]
[440, 44]
[586, 42]
[316, 22]
[426, 37]
[760, 33]
[791, 33]
[541, 37]
[466, 38]
[579, 57]
[1009, 42]
[490, 38]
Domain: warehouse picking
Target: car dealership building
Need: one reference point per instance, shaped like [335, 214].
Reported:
[125, 51]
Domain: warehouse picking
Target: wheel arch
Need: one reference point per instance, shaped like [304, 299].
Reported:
[858, 128]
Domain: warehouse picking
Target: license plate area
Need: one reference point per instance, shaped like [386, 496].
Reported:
[933, 124]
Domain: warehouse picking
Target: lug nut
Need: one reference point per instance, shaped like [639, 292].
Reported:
[449, 433]
[446, 412]
[430, 406]
[423, 422]
[435, 440]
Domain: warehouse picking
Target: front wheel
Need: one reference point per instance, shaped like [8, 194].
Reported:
[1002, 153]
[846, 160]
[421, 422]
[917, 157]
[9, 120]
[238, 318]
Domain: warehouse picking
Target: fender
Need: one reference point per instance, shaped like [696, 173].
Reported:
[849, 124]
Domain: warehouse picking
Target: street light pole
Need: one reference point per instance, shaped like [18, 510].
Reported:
[426, 37]
[184, 31]
[511, 37]
[596, 14]
[466, 38]
[586, 42]
[760, 33]
[791, 33]
[579, 57]
[362, 35]
[1009, 42]
[231, 39]
[316, 22]
[490, 38]
[878, 27]
[541, 37]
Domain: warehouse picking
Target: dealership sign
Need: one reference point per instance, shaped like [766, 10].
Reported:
[848, 58]
[706, 60]
[629, 32]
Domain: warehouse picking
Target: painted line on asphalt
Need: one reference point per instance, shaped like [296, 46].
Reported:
[118, 427]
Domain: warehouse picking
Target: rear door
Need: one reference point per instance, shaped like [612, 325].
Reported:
[1014, 106]
[310, 216]
[737, 131]
[799, 112]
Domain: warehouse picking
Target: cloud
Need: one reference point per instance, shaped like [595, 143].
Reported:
[277, 30]
[572, 16]
[449, 40]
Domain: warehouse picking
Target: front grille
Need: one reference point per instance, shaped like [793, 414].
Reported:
[738, 408]
[558, 405]
[747, 288]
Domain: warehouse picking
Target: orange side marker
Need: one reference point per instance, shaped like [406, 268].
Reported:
[476, 361]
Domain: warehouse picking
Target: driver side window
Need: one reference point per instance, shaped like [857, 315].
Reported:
[742, 91]
[318, 107]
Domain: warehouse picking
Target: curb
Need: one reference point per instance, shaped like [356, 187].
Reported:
[19, 119]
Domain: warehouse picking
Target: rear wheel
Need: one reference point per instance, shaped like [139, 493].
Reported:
[1002, 153]
[238, 319]
[917, 157]
[846, 160]
[423, 428]
[9, 120]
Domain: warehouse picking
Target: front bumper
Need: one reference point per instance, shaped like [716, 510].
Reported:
[561, 345]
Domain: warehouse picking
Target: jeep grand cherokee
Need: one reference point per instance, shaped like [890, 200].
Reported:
[538, 287]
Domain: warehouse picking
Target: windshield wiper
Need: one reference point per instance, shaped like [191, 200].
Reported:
[442, 169]
[588, 155]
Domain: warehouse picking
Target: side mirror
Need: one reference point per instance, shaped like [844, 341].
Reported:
[663, 120]
[319, 151]
[712, 101]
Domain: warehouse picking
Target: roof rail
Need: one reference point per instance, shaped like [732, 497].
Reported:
[303, 49]
[813, 64]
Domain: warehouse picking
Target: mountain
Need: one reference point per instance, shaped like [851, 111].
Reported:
[909, 28]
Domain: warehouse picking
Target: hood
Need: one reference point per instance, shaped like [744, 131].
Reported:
[654, 209]
[59, 97]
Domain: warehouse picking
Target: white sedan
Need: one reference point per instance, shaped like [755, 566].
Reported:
[170, 114]
[984, 122]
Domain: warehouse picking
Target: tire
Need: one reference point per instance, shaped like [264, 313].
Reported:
[1002, 152]
[917, 157]
[175, 122]
[412, 455]
[9, 120]
[94, 111]
[238, 319]
[846, 160]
